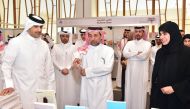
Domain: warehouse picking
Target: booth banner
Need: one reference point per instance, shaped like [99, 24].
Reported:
[109, 21]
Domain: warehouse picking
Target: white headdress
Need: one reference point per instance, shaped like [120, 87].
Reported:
[31, 21]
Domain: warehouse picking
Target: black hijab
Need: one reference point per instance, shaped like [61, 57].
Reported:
[173, 46]
[175, 36]
[187, 36]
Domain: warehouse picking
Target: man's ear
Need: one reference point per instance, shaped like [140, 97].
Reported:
[100, 34]
[143, 32]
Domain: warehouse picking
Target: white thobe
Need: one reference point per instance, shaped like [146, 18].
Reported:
[96, 86]
[119, 67]
[79, 43]
[68, 86]
[152, 61]
[123, 43]
[153, 53]
[137, 73]
[1, 73]
[27, 66]
[119, 72]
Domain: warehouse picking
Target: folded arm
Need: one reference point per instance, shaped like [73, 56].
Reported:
[101, 70]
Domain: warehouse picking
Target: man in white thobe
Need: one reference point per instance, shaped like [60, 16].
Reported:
[123, 42]
[155, 49]
[2, 47]
[27, 64]
[118, 54]
[81, 41]
[137, 52]
[48, 40]
[67, 81]
[97, 64]
[123, 63]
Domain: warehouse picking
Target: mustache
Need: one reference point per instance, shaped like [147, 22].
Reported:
[39, 32]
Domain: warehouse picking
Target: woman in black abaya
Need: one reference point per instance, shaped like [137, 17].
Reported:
[171, 73]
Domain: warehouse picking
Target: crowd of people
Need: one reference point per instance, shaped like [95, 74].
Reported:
[81, 73]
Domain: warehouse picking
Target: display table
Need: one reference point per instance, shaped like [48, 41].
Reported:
[11, 101]
[45, 99]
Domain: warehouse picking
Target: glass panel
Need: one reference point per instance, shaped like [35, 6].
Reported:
[67, 6]
[187, 26]
[10, 14]
[101, 5]
[120, 8]
[108, 7]
[72, 10]
[113, 7]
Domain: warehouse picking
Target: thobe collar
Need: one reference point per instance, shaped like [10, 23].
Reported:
[66, 45]
[95, 47]
[139, 41]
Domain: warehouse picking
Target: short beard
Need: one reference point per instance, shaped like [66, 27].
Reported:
[65, 42]
[95, 44]
[138, 38]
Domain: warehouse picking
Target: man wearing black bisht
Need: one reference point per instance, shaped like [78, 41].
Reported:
[171, 73]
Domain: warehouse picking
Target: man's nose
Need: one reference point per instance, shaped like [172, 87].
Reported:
[137, 33]
[93, 37]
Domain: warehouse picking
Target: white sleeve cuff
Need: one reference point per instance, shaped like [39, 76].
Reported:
[9, 83]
